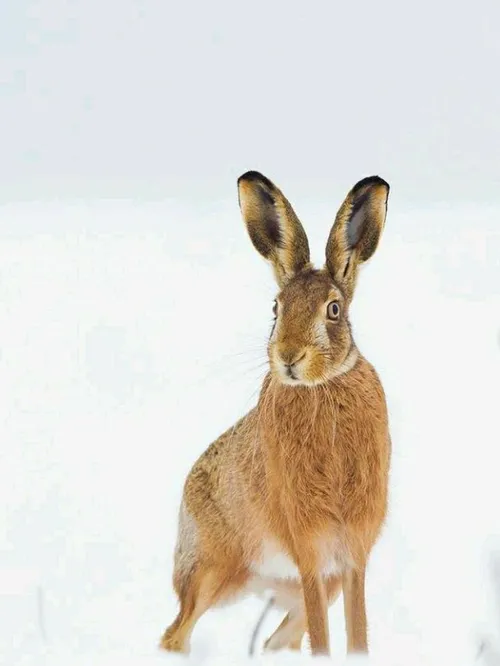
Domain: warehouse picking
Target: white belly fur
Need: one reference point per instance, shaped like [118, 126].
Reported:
[273, 562]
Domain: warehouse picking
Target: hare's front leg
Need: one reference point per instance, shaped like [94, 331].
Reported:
[353, 587]
[316, 605]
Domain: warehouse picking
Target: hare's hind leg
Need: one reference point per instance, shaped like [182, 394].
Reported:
[194, 601]
[291, 631]
[200, 589]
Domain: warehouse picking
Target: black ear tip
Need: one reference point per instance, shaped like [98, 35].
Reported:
[255, 177]
[251, 175]
[370, 181]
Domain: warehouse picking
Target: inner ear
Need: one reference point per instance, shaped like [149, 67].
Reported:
[356, 223]
[346, 269]
[367, 218]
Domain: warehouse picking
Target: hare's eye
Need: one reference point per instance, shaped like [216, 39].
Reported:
[275, 308]
[333, 310]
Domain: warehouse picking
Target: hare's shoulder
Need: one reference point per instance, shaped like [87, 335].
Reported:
[224, 447]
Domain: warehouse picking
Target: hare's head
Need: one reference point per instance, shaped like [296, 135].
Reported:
[311, 339]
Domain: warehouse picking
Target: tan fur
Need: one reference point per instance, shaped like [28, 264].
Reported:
[304, 473]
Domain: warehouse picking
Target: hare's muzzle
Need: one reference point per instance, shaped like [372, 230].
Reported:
[290, 365]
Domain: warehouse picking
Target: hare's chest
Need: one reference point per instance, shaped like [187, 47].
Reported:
[273, 562]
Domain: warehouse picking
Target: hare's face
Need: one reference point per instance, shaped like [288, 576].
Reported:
[311, 339]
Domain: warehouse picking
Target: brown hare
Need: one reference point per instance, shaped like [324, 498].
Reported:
[292, 498]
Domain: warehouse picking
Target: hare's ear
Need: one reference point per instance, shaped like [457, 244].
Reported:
[356, 232]
[274, 228]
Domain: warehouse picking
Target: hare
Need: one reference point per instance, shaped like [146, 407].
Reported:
[292, 498]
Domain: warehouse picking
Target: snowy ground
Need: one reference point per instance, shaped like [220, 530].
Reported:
[131, 335]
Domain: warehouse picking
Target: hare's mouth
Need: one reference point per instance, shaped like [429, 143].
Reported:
[289, 375]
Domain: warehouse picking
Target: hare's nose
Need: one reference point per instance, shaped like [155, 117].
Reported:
[291, 358]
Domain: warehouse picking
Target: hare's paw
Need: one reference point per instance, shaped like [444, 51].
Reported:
[173, 641]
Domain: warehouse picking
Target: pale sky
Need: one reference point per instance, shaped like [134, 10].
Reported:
[154, 98]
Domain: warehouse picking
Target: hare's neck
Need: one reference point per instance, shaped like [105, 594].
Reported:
[295, 419]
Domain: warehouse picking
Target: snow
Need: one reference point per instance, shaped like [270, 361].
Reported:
[132, 334]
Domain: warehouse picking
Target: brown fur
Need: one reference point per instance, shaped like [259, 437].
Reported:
[306, 470]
